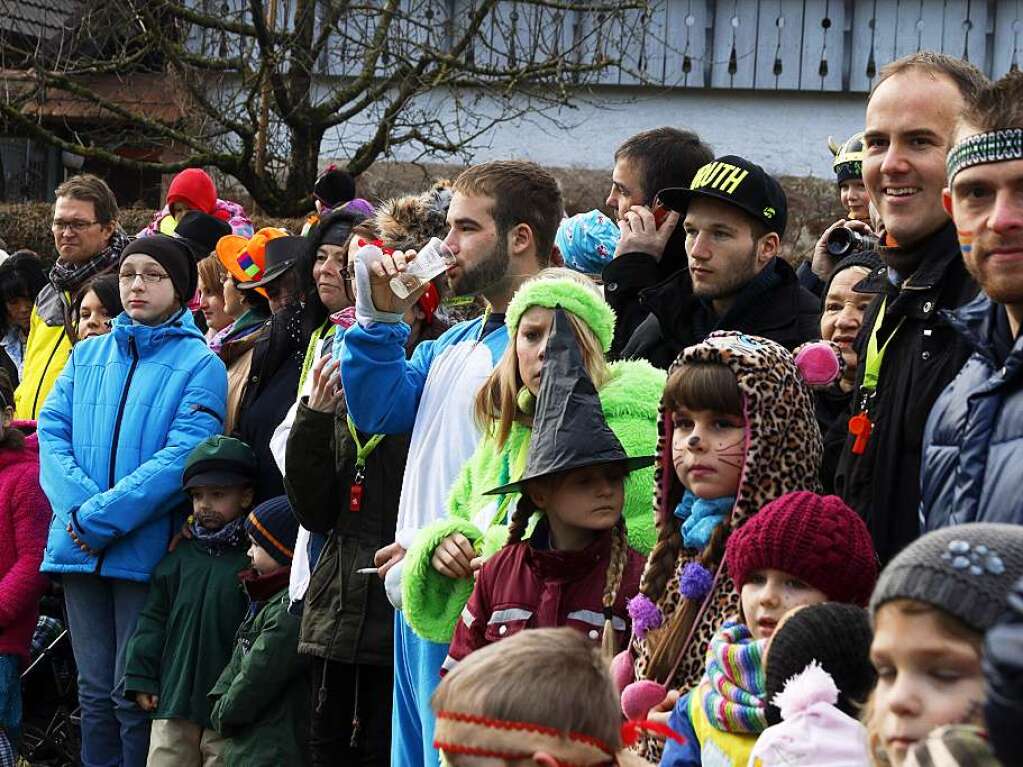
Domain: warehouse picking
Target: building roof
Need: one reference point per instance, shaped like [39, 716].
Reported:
[41, 19]
[149, 94]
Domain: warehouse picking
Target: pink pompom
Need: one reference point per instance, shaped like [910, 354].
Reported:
[639, 697]
[623, 670]
[819, 362]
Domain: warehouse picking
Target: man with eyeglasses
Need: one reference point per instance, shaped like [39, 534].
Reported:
[89, 241]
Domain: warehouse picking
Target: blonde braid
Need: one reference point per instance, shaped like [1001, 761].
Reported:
[615, 572]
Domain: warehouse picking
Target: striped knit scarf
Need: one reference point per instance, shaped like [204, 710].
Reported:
[733, 685]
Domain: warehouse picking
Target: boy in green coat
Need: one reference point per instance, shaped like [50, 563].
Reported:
[261, 701]
[186, 630]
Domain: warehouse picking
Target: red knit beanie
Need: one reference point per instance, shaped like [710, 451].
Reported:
[815, 538]
[195, 188]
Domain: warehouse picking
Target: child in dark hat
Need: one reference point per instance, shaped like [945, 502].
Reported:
[185, 633]
[801, 549]
[577, 548]
[818, 676]
[931, 609]
[261, 701]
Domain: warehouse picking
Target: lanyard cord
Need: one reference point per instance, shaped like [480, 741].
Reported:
[362, 451]
[875, 355]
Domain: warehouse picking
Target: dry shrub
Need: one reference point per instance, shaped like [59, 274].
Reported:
[813, 205]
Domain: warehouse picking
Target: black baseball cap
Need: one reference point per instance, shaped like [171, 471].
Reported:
[738, 182]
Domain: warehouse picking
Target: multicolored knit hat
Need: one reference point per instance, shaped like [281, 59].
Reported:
[274, 527]
[818, 539]
[245, 259]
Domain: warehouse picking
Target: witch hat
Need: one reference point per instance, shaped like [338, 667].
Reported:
[569, 429]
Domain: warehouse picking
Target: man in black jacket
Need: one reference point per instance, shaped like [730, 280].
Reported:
[907, 355]
[734, 216]
[646, 254]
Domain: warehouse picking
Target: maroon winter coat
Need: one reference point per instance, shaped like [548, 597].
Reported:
[24, 523]
[524, 586]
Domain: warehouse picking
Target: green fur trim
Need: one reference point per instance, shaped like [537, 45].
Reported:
[433, 603]
[581, 301]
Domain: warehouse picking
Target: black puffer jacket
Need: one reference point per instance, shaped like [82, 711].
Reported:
[628, 275]
[883, 483]
[773, 305]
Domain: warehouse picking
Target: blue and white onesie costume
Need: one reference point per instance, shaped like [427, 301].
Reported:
[430, 395]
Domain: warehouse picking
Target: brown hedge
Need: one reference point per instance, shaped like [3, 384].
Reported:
[813, 204]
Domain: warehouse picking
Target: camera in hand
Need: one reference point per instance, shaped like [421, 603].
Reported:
[841, 242]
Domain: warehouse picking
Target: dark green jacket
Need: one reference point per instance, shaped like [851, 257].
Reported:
[186, 630]
[346, 616]
[261, 701]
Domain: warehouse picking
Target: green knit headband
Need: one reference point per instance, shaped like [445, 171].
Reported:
[581, 301]
[993, 146]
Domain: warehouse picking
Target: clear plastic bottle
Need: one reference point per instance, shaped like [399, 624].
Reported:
[435, 258]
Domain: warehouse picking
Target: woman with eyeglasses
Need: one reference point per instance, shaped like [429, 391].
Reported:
[114, 435]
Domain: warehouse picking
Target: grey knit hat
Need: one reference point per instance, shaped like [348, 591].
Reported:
[966, 570]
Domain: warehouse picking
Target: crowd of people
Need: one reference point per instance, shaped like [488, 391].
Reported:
[623, 487]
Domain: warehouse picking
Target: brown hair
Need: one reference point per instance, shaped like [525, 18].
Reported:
[89, 188]
[702, 386]
[997, 105]
[552, 677]
[13, 439]
[665, 157]
[212, 273]
[496, 406]
[523, 193]
[695, 386]
[967, 78]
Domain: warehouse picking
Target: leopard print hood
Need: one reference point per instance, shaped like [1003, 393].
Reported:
[783, 440]
[783, 454]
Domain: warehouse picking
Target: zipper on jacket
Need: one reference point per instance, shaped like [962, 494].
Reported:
[39, 388]
[117, 424]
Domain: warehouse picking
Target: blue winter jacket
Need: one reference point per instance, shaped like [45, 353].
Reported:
[113, 438]
[973, 443]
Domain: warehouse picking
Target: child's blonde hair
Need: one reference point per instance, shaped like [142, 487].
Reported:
[497, 406]
[546, 677]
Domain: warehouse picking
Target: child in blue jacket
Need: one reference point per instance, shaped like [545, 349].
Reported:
[114, 434]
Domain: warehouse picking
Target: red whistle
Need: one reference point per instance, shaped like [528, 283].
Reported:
[860, 427]
[355, 498]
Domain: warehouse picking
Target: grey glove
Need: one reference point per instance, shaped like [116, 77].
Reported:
[365, 312]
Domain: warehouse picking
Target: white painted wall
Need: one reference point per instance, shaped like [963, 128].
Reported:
[786, 132]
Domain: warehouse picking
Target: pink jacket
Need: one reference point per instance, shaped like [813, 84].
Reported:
[24, 521]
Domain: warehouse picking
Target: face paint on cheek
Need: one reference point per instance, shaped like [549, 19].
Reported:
[965, 241]
[732, 454]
